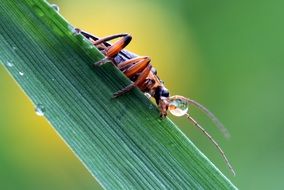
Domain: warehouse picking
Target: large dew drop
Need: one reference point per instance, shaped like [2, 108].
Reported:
[178, 107]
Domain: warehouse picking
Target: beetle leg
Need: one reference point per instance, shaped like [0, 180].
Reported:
[133, 66]
[99, 40]
[108, 38]
[113, 50]
[109, 50]
[142, 65]
[100, 43]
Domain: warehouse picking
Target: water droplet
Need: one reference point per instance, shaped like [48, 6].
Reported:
[55, 7]
[178, 106]
[40, 110]
[9, 64]
[14, 48]
[21, 73]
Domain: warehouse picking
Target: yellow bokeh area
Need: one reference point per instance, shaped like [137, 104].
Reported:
[225, 54]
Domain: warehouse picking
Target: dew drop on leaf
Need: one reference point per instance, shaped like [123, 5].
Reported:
[9, 64]
[55, 7]
[40, 110]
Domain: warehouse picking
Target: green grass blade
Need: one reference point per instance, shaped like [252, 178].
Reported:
[122, 142]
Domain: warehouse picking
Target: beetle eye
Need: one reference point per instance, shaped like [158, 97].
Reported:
[178, 107]
[165, 92]
[161, 93]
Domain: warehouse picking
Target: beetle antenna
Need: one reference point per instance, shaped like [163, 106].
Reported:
[213, 141]
[213, 118]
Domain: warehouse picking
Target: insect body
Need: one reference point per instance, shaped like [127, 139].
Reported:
[139, 70]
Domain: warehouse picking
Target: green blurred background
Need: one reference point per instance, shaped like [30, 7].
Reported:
[226, 54]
